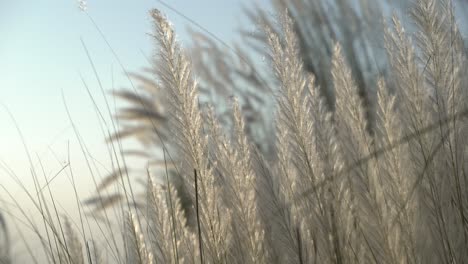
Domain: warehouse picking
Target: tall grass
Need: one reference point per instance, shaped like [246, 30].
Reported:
[362, 161]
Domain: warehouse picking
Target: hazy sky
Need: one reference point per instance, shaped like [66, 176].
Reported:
[41, 55]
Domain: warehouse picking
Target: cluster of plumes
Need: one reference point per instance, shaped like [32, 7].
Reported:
[354, 172]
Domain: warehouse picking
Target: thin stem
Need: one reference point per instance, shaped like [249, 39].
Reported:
[198, 217]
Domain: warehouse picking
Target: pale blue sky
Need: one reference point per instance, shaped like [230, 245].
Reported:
[41, 54]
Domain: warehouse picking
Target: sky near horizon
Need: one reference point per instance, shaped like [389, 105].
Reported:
[42, 57]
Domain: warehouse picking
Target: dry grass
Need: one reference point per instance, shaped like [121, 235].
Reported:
[362, 158]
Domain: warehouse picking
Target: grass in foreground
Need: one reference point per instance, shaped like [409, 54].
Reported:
[356, 176]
